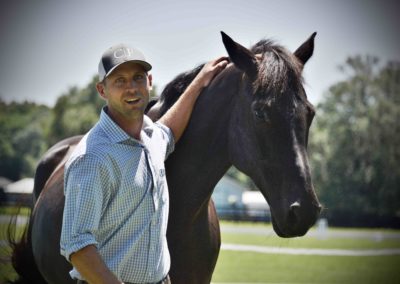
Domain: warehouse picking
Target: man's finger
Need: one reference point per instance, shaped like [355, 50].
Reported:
[221, 59]
[221, 65]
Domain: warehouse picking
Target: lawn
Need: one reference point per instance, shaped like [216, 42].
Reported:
[252, 267]
[10, 210]
[243, 267]
[6, 270]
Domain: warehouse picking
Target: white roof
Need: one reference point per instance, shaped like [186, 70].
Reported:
[24, 185]
[254, 198]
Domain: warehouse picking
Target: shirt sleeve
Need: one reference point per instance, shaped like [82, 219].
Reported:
[86, 190]
[168, 137]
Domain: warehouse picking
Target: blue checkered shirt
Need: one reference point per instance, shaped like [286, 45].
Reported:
[116, 198]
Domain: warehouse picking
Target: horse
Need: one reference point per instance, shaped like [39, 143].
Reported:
[254, 115]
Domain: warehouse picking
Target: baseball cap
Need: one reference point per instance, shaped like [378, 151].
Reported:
[118, 54]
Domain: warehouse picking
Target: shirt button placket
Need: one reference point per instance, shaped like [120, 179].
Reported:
[153, 176]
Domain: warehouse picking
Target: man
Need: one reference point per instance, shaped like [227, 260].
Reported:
[116, 195]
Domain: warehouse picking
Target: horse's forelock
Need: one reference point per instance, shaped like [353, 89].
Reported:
[279, 71]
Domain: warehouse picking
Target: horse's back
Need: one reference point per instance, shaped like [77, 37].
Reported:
[50, 161]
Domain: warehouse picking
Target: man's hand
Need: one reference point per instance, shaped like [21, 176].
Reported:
[177, 117]
[210, 70]
[92, 267]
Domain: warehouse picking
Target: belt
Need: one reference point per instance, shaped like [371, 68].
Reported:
[165, 280]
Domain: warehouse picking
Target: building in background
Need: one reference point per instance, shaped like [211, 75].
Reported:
[234, 202]
[17, 193]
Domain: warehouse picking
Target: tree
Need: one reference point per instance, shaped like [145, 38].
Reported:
[27, 130]
[23, 129]
[75, 112]
[354, 145]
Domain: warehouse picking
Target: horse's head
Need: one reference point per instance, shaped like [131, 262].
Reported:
[269, 131]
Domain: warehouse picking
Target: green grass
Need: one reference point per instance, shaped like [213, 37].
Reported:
[309, 242]
[244, 267]
[251, 267]
[6, 270]
[11, 210]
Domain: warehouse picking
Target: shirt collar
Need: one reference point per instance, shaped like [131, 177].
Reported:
[116, 133]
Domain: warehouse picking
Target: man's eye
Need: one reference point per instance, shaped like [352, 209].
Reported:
[120, 80]
[139, 77]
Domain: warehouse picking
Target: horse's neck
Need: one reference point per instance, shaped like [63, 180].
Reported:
[201, 157]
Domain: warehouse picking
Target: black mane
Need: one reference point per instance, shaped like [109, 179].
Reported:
[176, 87]
[280, 72]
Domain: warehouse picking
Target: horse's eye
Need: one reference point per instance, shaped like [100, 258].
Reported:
[260, 115]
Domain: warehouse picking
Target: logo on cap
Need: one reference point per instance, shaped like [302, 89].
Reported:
[122, 52]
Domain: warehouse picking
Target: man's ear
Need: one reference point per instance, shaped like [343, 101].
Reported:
[150, 81]
[101, 90]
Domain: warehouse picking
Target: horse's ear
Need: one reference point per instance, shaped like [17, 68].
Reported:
[243, 58]
[305, 51]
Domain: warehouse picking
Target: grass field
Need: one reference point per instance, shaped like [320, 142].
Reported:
[242, 267]
[253, 267]
[6, 270]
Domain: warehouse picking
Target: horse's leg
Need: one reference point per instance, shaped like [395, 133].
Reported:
[194, 250]
[46, 231]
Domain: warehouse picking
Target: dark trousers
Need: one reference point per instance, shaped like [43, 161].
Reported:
[166, 280]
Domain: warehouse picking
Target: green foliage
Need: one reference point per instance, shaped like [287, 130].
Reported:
[75, 112]
[22, 137]
[27, 130]
[355, 144]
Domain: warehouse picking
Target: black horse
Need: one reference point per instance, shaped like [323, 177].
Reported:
[255, 115]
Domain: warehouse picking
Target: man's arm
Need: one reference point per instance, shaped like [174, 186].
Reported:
[86, 191]
[177, 117]
[92, 267]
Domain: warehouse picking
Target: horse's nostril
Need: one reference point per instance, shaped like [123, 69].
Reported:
[295, 205]
[294, 209]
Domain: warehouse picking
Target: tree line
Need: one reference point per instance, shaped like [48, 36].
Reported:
[353, 145]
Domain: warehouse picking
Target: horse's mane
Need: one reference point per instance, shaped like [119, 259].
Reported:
[174, 89]
[280, 71]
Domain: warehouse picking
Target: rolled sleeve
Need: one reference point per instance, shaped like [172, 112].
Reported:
[85, 197]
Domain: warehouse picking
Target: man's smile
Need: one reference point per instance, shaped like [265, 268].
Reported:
[132, 100]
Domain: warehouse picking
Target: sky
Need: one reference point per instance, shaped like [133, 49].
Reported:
[49, 46]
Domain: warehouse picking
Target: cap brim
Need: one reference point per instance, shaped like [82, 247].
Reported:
[147, 67]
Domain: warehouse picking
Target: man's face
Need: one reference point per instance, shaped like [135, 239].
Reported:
[126, 90]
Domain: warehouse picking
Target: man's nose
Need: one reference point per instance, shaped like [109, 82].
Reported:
[132, 85]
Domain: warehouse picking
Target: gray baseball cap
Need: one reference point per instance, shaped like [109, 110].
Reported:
[118, 54]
